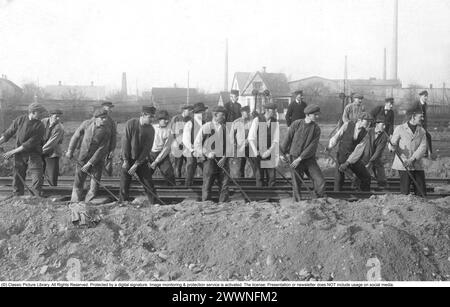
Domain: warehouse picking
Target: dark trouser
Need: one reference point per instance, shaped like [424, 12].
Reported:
[263, 176]
[33, 162]
[313, 171]
[178, 163]
[80, 177]
[191, 167]
[405, 183]
[213, 173]
[380, 173]
[429, 142]
[144, 174]
[165, 167]
[240, 166]
[51, 169]
[359, 169]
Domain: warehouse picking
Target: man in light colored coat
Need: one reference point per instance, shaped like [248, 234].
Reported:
[410, 142]
[52, 151]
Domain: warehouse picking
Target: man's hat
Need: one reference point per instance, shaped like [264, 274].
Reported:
[56, 112]
[380, 119]
[423, 93]
[390, 99]
[187, 107]
[163, 114]
[271, 106]
[365, 116]
[299, 92]
[245, 109]
[100, 113]
[219, 109]
[234, 92]
[199, 107]
[107, 104]
[148, 110]
[358, 96]
[37, 107]
[311, 109]
[413, 109]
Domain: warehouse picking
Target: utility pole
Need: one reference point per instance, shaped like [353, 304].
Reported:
[187, 94]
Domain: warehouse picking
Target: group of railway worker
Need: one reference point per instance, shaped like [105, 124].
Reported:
[195, 143]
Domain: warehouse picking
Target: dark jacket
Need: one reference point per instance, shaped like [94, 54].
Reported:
[388, 115]
[29, 134]
[347, 144]
[375, 145]
[233, 111]
[295, 112]
[302, 140]
[113, 139]
[94, 141]
[424, 108]
[137, 141]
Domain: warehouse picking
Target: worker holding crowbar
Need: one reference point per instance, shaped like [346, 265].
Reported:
[299, 151]
[95, 137]
[409, 142]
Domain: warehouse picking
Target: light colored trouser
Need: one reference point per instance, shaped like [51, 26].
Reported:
[80, 178]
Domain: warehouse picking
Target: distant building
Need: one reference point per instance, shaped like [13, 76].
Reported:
[171, 98]
[9, 89]
[76, 92]
[276, 83]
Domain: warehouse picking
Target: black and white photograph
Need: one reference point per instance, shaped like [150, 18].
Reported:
[242, 144]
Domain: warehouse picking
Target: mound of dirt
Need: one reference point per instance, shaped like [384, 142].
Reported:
[390, 238]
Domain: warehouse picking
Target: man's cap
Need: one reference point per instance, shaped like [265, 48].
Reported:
[299, 92]
[380, 119]
[37, 107]
[148, 110]
[245, 109]
[365, 116]
[234, 92]
[56, 112]
[187, 107]
[107, 104]
[390, 99]
[358, 96]
[100, 113]
[311, 109]
[199, 107]
[423, 93]
[271, 106]
[218, 109]
[413, 109]
[162, 114]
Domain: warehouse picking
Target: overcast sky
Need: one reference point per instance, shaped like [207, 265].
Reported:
[157, 41]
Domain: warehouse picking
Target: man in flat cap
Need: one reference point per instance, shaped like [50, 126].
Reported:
[354, 110]
[136, 146]
[386, 111]
[296, 109]
[212, 142]
[95, 136]
[239, 138]
[29, 132]
[349, 136]
[190, 131]
[410, 142]
[233, 107]
[422, 103]
[111, 124]
[159, 155]
[52, 151]
[177, 125]
[299, 150]
[264, 140]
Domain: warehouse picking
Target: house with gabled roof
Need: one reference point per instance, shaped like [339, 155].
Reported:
[276, 83]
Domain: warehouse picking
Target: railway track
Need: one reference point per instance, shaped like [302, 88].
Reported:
[173, 194]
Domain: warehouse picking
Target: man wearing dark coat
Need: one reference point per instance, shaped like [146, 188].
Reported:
[233, 108]
[296, 109]
[387, 113]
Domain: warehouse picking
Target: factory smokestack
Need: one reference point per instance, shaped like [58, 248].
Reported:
[395, 43]
[225, 88]
[124, 91]
[384, 65]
